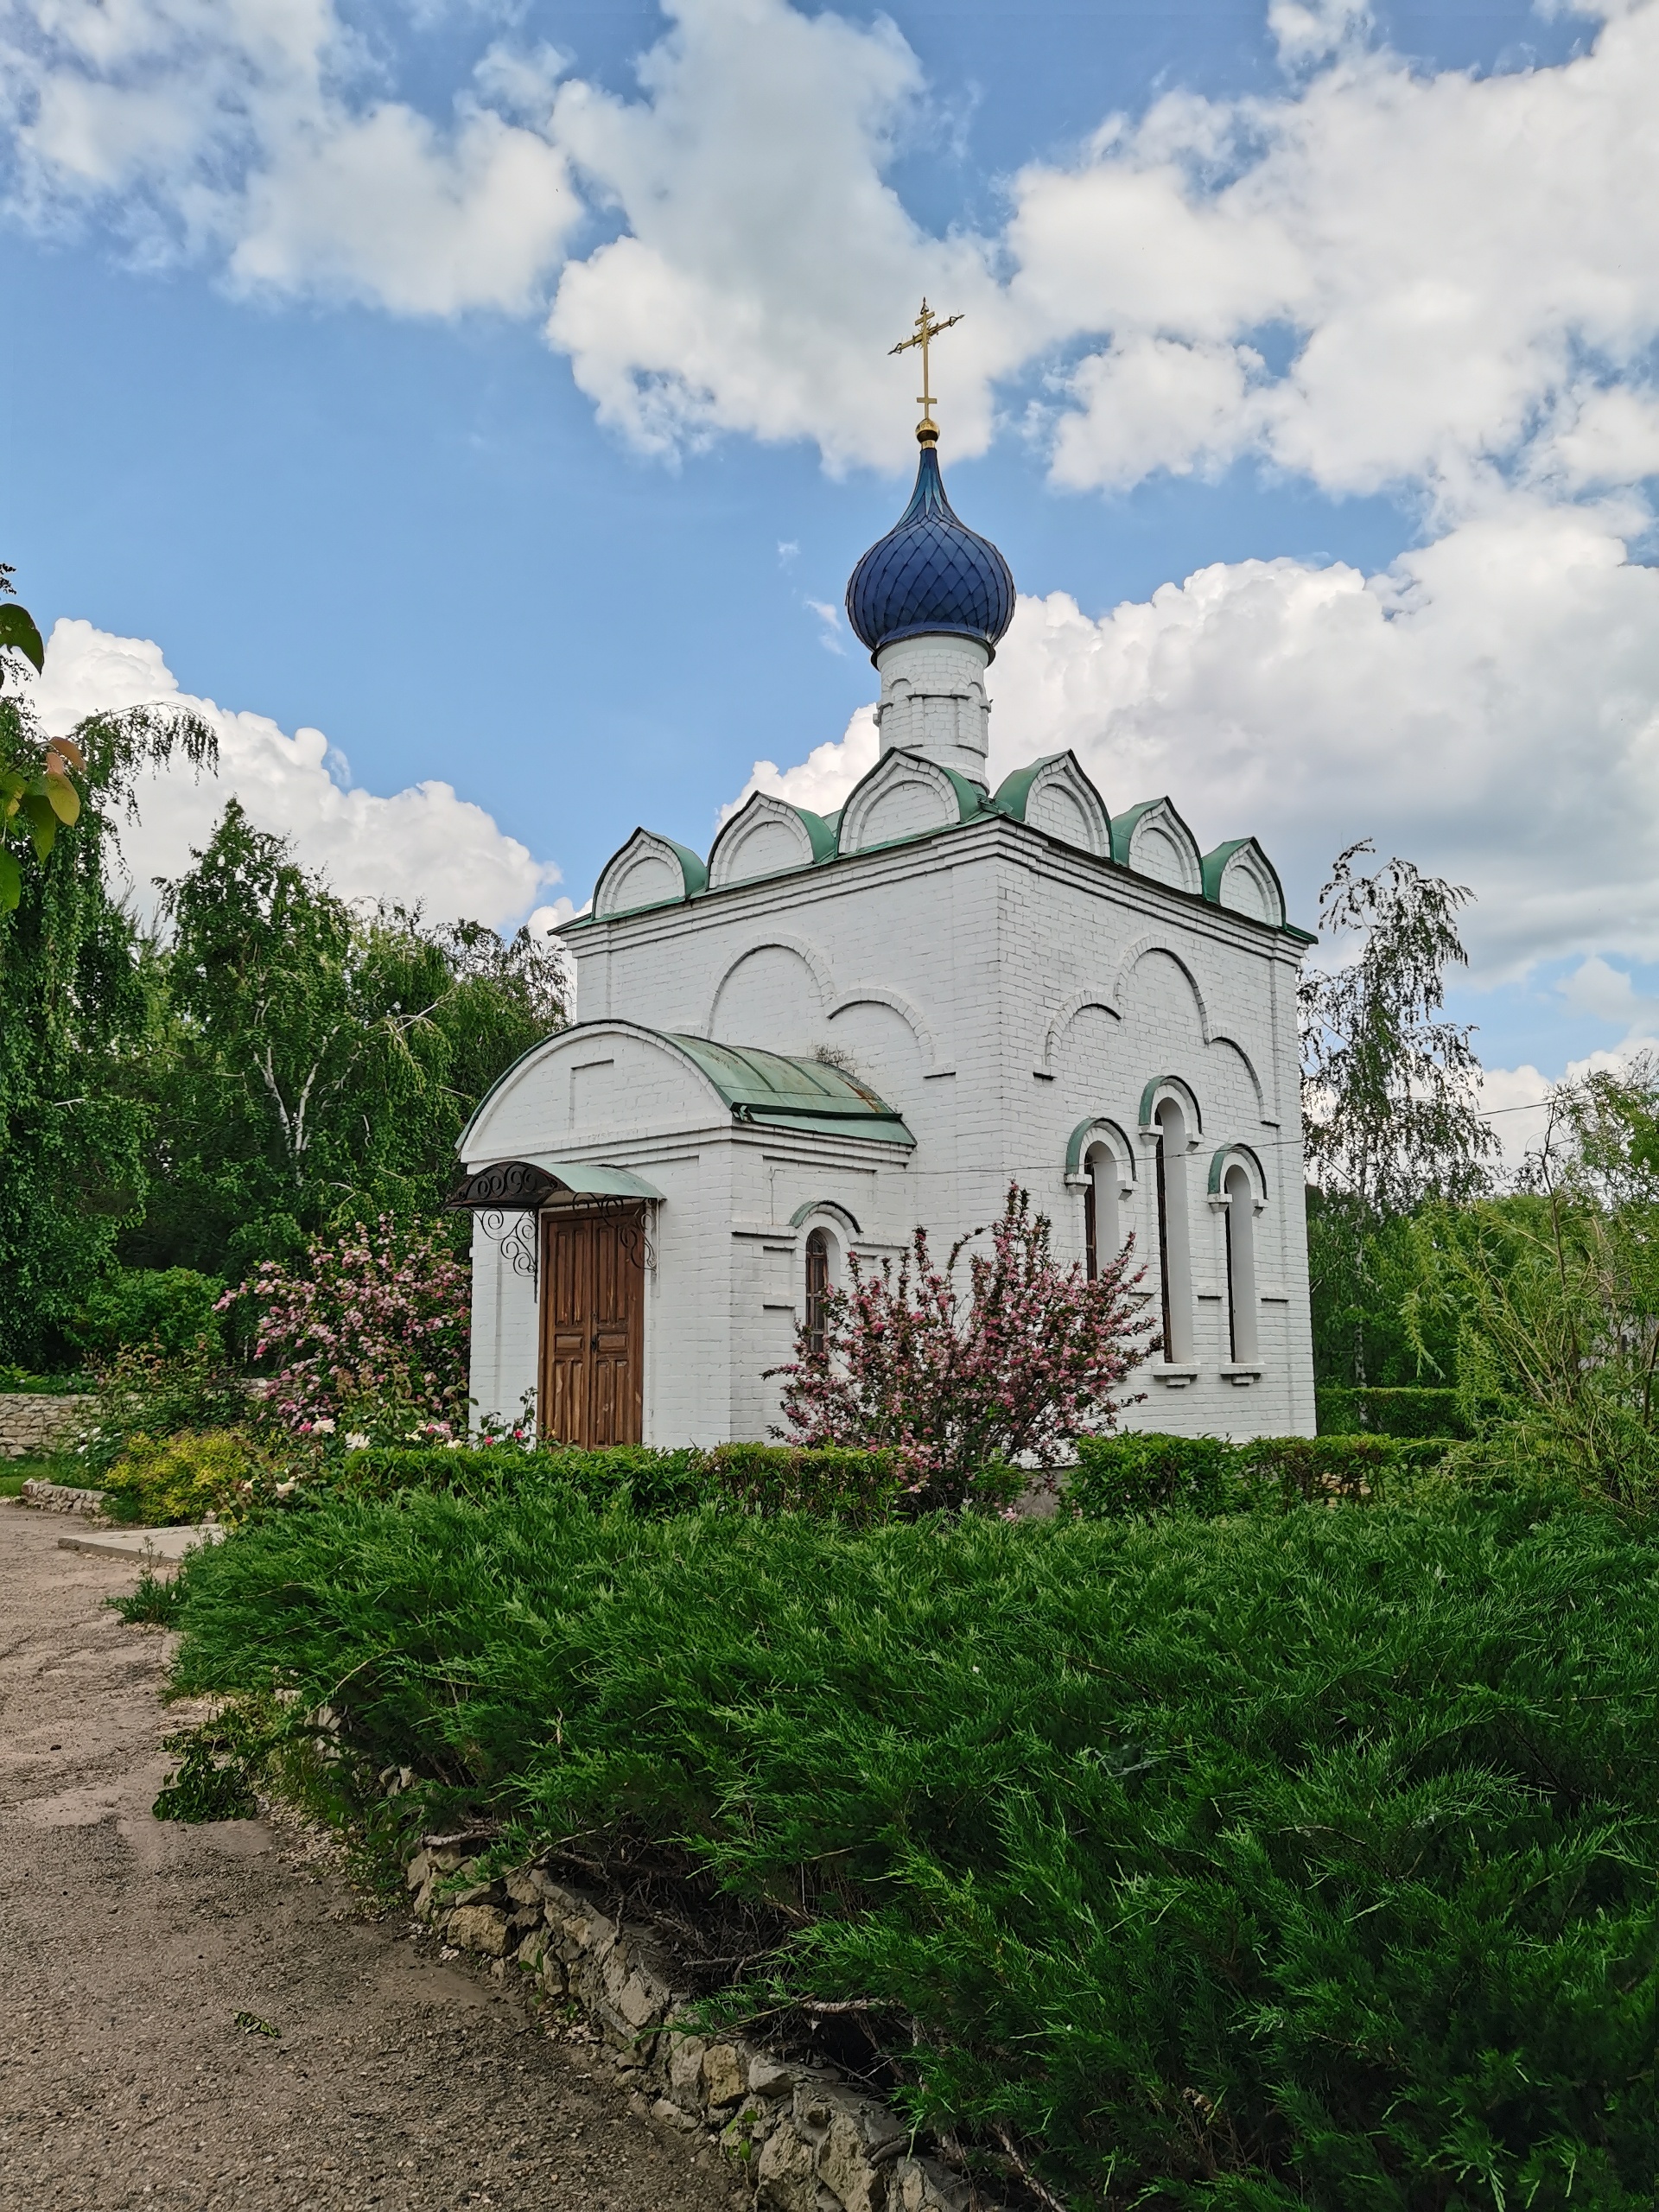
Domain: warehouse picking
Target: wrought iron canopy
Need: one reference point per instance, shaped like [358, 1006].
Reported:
[519, 1186]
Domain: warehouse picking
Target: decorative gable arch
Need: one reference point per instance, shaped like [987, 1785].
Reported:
[1153, 840]
[1055, 796]
[768, 836]
[904, 796]
[648, 871]
[1240, 876]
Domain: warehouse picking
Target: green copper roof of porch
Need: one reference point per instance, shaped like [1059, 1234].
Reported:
[777, 1090]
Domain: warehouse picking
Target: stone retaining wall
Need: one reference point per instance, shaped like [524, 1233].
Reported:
[59, 1497]
[31, 1421]
[803, 2138]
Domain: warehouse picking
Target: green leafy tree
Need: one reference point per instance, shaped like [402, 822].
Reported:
[72, 1002]
[1555, 1291]
[1390, 1100]
[316, 1060]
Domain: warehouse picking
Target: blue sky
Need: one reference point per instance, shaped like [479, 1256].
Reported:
[433, 378]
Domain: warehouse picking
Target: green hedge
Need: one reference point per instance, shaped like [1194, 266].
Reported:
[1299, 1862]
[754, 1478]
[1142, 1472]
[1344, 1411]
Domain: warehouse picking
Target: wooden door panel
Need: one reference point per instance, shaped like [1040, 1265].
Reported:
[592, 1333]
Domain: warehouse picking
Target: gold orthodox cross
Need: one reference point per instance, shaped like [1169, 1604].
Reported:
[928, 327]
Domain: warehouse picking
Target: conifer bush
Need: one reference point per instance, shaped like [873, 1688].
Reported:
[640, 1478]
[1301, 1859]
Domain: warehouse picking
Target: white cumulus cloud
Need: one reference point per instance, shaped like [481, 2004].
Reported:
[425, 846]
[1489, 706]
[261, 132]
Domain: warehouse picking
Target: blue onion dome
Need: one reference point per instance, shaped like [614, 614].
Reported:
[929, 574]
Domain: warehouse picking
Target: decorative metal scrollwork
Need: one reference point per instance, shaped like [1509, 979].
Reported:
[505, 1187]
[516, 1244]
[630, 1232]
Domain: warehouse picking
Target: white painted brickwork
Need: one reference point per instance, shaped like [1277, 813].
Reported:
[933, 701]
[996, 988]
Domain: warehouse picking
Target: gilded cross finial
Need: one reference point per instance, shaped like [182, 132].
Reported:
[928, 327]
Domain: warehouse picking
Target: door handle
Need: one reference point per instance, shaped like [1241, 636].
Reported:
[593, 1341]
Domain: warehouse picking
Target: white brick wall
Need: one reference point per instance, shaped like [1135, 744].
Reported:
[933, 701]
[998, 990]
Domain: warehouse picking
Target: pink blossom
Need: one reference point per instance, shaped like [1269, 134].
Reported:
[1031, 1358]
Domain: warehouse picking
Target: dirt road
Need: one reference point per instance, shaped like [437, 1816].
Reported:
[127, 1946]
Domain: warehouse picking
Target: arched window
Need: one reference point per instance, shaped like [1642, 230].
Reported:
[1175, 1247]
[817, 1290]
[1241, 1264]
[1103, 1230]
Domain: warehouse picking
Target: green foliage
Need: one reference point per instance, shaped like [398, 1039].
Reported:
[169, 1481]
[1390, 1095]
[221, 1765]
[313, 1065]
[859, 1486]
[1553, 1295]
[1301, 1859]
[145, 1394]
[157, 1602]
[1142, 1472]
[167, 1309]
[75, 1010]
[25, 1380]
[1414, 1411]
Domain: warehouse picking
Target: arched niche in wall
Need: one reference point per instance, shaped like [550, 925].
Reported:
[772, 996]
[648, 871]
[1153, 840]
[768, 836]
[884, 1044]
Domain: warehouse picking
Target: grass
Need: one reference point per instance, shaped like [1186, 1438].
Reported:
[157, 1601]
[1281, 1860]
[13, 1474]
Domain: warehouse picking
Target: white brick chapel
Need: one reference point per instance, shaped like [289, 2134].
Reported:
[836, 1027]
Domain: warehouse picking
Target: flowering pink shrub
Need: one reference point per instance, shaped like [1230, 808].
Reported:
[371, 1342]
[966, 1386]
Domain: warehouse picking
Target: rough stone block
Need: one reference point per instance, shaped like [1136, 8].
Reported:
[685, 2070]
[784, 2175]
[767, 2078]
[724, 2074]
[483, 1928]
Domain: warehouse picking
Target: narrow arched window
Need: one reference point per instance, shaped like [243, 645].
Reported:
[1241, 1265]
[817, 1290]
[1174, 1250]
[1102, 1230]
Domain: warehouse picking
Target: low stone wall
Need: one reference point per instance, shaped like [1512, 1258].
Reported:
[58, 1497]
[31, 1421]
[803, 2138]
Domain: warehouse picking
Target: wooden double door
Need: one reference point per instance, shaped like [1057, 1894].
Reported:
[593, 1291]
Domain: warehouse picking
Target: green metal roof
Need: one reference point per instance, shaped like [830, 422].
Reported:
[777, 1090]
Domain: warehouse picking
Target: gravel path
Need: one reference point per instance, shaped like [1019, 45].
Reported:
[128, 1945]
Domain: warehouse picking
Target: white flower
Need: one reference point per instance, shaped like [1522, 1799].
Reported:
[355, 1439]
[322, 1426]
